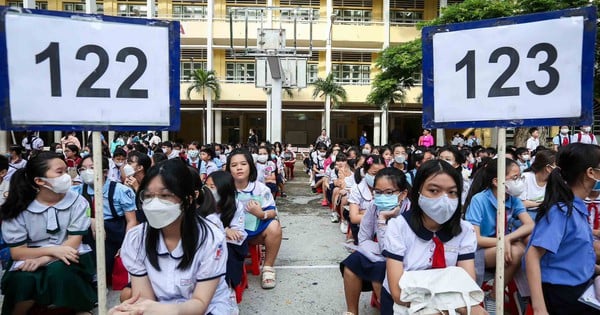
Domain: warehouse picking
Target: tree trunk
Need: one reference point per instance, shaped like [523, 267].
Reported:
[204, 120]
[521, 136]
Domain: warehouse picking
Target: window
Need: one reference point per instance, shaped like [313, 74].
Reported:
[187, 67]
[80, 7]
[189, 11]
[240, 72]
[354, 15]
[418, 77]
[353, 74]
[138, 9]
[301, 15]
[312, 72]
[405, 16]
[38, 4]
[239, 13]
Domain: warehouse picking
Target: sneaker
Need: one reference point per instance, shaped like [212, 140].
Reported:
[283, 195]
[344, 227]
[489, 304]
[335, 218]
[324, 203]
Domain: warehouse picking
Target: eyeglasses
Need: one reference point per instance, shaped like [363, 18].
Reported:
[517, 177]
[146, 196]
[387, 193]
[83, 169]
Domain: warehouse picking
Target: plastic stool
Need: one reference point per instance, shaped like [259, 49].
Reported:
[255, 259]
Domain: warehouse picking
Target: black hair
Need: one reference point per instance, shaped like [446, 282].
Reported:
[249, 160]
[427, 170]
[3, 163]
[226, 190]
[369, 161]
[209, 151]
[396, 176]
[158, 157]
[269, 151]
[119, 152]
[23, 188]
[532, 130]
[17, 148]
[320, 146]
[194, 230]
[572, 161]
[196, 144]
[105, 164]
[167, 144]
[459, 158]
[141, 159]
[521, 150]
[73, 148]
[140, 148]
[543, 158]
[484, 177]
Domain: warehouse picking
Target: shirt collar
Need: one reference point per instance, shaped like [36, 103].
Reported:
[364, 191]
[424, 233]
[249, 189]
[580, 206]
[64, 204]
[163, 251]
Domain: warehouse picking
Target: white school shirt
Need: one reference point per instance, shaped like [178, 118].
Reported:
[172, 285]
[414, 248]
[237, 223]
[330, 173]
[13, 167]
[114, 172]
[264, 170]
[369, 227]
[533, 191]
[532, 143]
[210, 168]
[41, 225]
[4, 188]
[361, 195]
[585, 138]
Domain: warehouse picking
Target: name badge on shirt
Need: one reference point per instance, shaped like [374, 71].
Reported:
[186, 282]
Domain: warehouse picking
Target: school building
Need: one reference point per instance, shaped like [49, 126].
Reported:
[347, 37]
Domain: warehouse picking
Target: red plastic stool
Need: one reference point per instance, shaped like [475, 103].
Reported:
[241, 287]
[374, 302]
[255, 259]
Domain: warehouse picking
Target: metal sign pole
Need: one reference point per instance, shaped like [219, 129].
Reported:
[100, 234]
[500, 221]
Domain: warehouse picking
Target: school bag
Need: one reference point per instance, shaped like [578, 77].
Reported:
[435, 290]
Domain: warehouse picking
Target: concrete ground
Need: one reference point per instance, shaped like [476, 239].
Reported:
[308, 275]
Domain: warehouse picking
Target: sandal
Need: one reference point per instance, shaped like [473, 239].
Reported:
[268, 280]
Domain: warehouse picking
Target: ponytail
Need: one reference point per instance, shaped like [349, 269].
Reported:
[20, 195]
[557, 192]
[484, 178]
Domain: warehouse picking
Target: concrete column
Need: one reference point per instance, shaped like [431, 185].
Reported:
[440, 137]
[328, 66]
[111, 137]
[29, 4]
[164, 136]
[377, 129]
[57, 136]
[3, 141]
[384, 126]
[218, 126]
[209, 66]
[150, 9]
[90, 6]
[276, 117]
[268, 116]
[386, 24]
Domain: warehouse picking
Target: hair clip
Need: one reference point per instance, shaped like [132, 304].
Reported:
[418, 152]
[370, 160]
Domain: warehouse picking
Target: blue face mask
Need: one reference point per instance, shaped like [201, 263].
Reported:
[596, 185]
[370, 180]
[385, 203]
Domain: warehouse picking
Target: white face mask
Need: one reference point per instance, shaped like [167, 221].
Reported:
[215, 194]
[128, 170]
[439, 209]
[564, 131]
[587, 129]
[193, 153]
[161, 213]
[87, 176]
[322, 154]
[119, 164]
[400, 159]
[60, 184]
[525, 157]
[366, 152]
[515, 188]
[262, 158]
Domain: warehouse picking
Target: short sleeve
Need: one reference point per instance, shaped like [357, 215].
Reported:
[237, 223]
[555, 140]
[517, 206]
[548, 232]
[133, 253]
[127, 198]
[368, 225]
[79, 222]
[14, 231]
[474, 213]
[468, 243]
[268, 201]
[395, 242]
[354, 196]
[213, 263]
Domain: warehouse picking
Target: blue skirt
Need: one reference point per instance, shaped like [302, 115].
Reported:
[365, 269]
[261, 227]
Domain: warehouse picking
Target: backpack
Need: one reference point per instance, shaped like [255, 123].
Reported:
[111, 195]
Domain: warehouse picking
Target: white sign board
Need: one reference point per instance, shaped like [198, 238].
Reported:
[94, 72]
[509, 72]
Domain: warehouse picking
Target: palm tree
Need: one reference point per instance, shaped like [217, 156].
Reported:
[328, 88]
[203, 81]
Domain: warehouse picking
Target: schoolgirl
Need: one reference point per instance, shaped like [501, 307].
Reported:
[452, 156]
[367, 149]
[207, 155]
[277, 158]
[386, 154]
[535, 179]
[15, 161]
[318, 164]
[289, 158]
[43, 223]
[417, 158]
[193, 155]
[256, 200]
[344, 181]
[431, 234]
[266, 169]
[481, 208]
[560, 258]
[330, 175]
[523, 158]
[364, 269]
[177, 260]
[361, 195]
[231, 218]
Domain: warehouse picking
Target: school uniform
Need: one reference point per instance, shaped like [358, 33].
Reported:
[262, 194]
[123, 200]
[209, 168]
[533, 192]
[360, 195]
[593, 207]
[588, 138]
[114, 172]
[13, 167]
[173, 285]
[332, 175]
[265, 170]
[414, 247]
[370, 267]
[482, 213]
[568, 264]
[194, 163]
[58, 284]
[319, 162]
[561, 140]
[4, 188]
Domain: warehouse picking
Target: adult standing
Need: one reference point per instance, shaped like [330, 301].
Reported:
[323, 138]
[252, 138]
[426, 140]
[363, 139]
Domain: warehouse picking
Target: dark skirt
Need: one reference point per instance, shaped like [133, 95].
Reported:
[387, 303]
[55, 284]
[562, 299]
[273, 188]
[261, 227]
[365, 269]
[236, 254]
